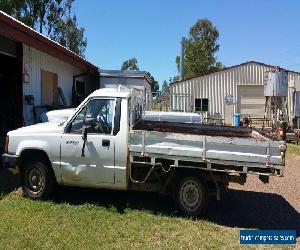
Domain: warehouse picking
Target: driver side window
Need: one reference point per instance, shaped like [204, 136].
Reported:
[97, 115]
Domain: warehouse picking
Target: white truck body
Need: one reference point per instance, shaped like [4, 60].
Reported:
[212, 149]
[60, 115]
[113, 159]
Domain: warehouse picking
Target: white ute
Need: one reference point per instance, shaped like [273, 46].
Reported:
[107, 142]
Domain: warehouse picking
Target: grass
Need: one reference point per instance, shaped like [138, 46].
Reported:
[293, 149]
[34, 224]
[47, 224]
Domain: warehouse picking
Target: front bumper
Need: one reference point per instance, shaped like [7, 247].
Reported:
[10, 161]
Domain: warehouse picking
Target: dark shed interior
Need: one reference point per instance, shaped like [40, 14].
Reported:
[10, 86]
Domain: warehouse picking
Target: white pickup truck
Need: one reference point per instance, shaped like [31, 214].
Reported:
[108, 142]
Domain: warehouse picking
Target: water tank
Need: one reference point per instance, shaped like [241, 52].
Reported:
[276, 83]
[297, 104]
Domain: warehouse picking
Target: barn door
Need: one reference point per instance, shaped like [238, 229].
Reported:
[49, 88]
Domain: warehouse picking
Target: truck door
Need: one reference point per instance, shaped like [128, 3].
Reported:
[94, 162]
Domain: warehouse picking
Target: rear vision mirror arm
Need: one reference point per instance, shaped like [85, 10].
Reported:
[84, 134]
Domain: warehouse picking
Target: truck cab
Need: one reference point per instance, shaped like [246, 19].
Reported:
[94, 142]
[88, 149]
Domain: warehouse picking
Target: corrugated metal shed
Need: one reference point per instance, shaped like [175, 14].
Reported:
[216, 86]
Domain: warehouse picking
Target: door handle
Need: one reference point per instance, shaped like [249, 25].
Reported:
[105, 143]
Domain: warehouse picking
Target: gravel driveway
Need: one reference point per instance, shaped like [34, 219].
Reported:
[275, 205]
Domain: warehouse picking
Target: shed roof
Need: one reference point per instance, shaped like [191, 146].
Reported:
[125, 74]
[235, 66]
[19, 32]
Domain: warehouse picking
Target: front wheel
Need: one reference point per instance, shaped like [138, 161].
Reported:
[191, 196]
[37, 180]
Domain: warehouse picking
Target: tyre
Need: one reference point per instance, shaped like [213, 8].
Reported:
[37, 180]
[191, 196]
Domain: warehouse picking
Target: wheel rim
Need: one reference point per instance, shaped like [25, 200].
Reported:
[35, 180]
[190, 196]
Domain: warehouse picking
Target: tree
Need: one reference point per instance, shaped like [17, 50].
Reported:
[154, 83]
[174, 79]
[130, 64]
[165, 88]
[217, 67]
[51, 18]
[67, 34]
[12, 7]
[200, 48]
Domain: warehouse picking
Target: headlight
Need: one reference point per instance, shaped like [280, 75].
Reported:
[6, 144]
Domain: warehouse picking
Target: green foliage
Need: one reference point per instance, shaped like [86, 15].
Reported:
[67, 34]
[12, 7]
[50, 17]
[130, 64]
[217, 67]
[165, 88]
[200, 48]
[154, 83]
[174, 79]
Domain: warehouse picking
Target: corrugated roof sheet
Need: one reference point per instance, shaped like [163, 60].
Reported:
[234, 66]
[125, 74]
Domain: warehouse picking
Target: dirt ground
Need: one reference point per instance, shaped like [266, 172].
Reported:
[275, 205]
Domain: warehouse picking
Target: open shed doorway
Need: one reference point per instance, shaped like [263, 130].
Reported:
[10, 87]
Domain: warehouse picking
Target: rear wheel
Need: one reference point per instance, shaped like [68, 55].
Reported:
[37, 180]
[192, 196]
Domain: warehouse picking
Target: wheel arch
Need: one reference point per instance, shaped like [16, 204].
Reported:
[209, 179]
[30, 154]
[180, 173]
[34, 154]
[30, 160]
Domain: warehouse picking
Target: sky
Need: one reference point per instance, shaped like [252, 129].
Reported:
[266, 31]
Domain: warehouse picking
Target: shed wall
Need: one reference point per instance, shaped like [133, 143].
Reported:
[217, 85]
[34, 61]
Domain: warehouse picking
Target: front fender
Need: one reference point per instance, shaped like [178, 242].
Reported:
[51, 147]
[32, 144]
